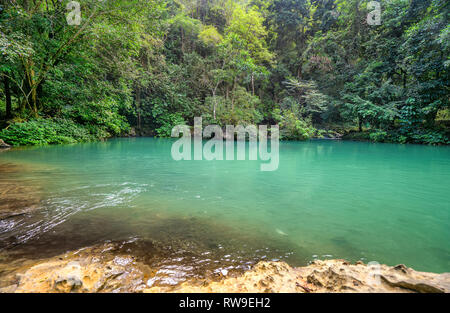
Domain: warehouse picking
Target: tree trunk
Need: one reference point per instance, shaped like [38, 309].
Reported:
[138, 110]
[214, 104]
[32, 85]
[39, 93]
[232, 97]
[253, 85]
[8, 97]
[33, 93]
[182, 41]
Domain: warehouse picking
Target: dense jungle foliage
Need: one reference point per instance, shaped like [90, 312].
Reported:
[317, 68]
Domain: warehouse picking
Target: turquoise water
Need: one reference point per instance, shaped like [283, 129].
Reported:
[328, 199]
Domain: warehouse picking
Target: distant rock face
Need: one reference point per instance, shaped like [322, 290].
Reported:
[3, 144]
[96, 269]
[132, 132]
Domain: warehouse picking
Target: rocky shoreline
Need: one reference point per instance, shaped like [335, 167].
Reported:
[101, 269]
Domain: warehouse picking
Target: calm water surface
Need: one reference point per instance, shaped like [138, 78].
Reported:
[328, 199]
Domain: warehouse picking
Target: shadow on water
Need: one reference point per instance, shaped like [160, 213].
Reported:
[178, 248]
[191, 237]
[195, 246]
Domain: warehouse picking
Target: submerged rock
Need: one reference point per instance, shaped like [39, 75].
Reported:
[102, 269]
[16, 196]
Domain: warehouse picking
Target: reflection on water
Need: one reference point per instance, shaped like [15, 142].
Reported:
[178, 247]
[388, 203]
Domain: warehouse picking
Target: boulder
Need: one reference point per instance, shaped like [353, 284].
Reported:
[4, 145]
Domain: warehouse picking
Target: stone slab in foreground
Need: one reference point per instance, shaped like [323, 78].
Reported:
[93, 270]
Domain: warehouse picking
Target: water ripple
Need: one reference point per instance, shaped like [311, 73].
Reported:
[57, 208]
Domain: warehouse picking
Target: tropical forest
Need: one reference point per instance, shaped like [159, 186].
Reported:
[224, 146]
[317, 68]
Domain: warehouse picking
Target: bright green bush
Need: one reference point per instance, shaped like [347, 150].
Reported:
[104, 115]
[49, 131]
[292, 127]
[167, 122]
[379, 136]
[241, 110]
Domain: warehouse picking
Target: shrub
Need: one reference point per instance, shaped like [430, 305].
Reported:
[167, 122]
[432, 137]
[105, 115]
[379, 136]
[293, 127]
[48, 131]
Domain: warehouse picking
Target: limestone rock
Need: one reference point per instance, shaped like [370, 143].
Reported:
[103, 269]
[3, 144]
[85, 272]
[339, 276]
[323, 276]
[264, 277]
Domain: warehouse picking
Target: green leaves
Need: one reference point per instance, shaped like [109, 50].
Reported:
[210, 36]
[46, 131]
[247, 32]
[152, 64]
[292, 127]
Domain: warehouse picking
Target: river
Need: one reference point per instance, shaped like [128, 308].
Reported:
[387, 203]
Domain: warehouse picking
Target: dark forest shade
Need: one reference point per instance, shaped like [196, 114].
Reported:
[317, 68]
